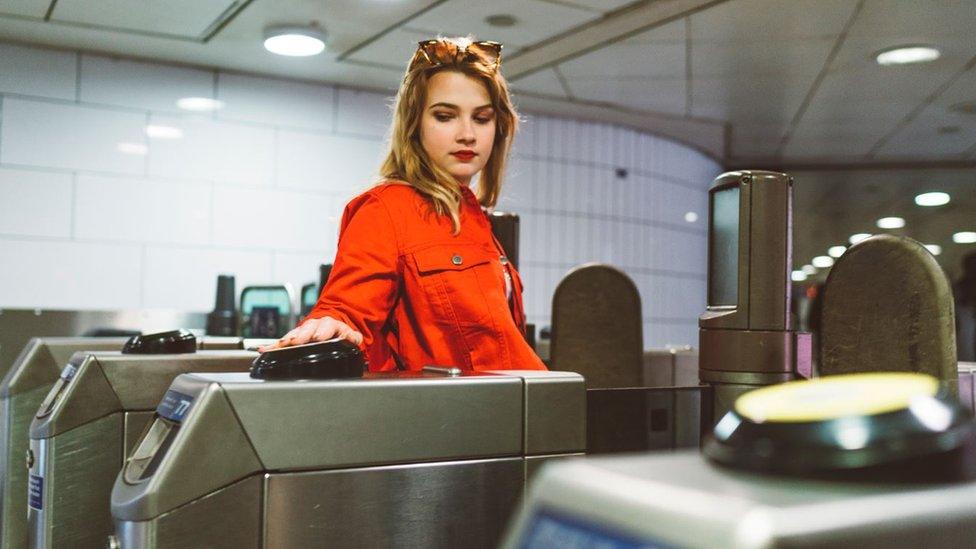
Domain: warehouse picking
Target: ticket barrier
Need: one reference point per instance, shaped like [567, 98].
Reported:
[437, 458]
[90, 419]
[875, 460]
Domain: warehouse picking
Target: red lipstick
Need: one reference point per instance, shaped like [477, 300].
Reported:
[465, 155]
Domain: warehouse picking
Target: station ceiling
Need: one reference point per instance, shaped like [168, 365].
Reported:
[789, 84]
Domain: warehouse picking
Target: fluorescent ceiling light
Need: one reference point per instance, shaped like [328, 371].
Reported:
[163, 132]
[809, 269]
[798, 276]
[137, 149]
[936, 198]
[691, 217]
[836, 251]
[934, 249]
[822, 261]
[906, 55]
[964, 237]
[199, 104]
[855, 238]
[891, 223]
[294, 41]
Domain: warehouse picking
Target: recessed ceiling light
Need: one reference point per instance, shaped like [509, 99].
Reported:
[822, 261]
[136, 149]
[294, 41]
[691, 217]
[891, 223]
[163, 132]
[964, 237]
[836, 251]
[199, 104]
[798, 276]
[809, 269]
[934, 249]
[935, 198]
[906, 55]
[501, 20]
[855, 238]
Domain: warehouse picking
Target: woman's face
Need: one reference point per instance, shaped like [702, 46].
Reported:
[457, 129]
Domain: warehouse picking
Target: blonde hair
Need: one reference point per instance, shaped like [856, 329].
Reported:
[407, 160]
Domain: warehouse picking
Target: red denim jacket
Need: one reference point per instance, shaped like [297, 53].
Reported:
[421, 295]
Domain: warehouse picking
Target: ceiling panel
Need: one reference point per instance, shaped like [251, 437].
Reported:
[922, 136]
[536, 20]
[831, 141]
[962, 90]
[757, 100]
[657, 95]
[178, 17]
[393, 49]
[602, 6]
[29, 8]
[745, 21]
[898, 19]
[756, 140]
[669, 32]
[784, 58]
[641, 60]
[543, 82]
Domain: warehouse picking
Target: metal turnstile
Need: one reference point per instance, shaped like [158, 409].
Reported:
[407, 459]
[85, 427]
[681, 500]
[30, 378]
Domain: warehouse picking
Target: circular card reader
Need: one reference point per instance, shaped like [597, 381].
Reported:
[901, 427]
[332, 359]
[172, 342]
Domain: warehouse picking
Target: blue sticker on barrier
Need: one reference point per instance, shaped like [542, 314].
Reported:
[174, 406]
[35, 492]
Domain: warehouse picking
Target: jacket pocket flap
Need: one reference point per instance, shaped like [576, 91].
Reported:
[451, 258]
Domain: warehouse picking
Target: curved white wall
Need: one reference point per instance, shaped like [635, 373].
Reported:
[256, 189]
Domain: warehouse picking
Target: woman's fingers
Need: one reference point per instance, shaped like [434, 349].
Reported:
[316, 329]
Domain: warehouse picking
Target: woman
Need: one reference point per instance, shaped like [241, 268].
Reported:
[419, 278]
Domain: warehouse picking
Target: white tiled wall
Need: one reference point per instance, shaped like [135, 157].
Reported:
[257, 189]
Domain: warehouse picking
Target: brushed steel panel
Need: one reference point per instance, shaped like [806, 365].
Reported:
[135, 424]
[23, 389]
[86, 397]
[140, 381]
[229, 517]
[432, 505]
[555, 413]
[78, 467]
[408, 419]
[688, 416]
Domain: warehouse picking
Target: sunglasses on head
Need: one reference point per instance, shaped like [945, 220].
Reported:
[442, 52]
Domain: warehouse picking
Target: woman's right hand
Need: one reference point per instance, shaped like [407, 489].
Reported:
[317, 329]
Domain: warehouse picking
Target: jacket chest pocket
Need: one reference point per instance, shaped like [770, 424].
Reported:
[458, 281]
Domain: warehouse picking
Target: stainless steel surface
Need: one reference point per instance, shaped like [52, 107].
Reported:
[211, 451]
[106, 385]
[681, 500]
[724, 397]
[555, 411]
[18, 326]
[749, 378]
[135, 424]
[229, 517]
[441, 370]
[747, 351]
[78, 469]
[432, 505]
[402, 414]
[24, 387]
[670, 367]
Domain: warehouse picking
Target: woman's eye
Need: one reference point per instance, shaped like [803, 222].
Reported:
[442, 117]
[483, 120]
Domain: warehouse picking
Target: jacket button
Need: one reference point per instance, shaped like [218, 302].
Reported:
[456, 259]
[503, 259]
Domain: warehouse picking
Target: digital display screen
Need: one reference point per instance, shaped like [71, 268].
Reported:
[723, 254]
[174, 406]
[547, 529]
